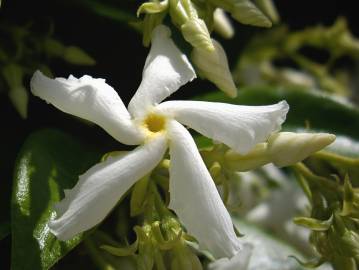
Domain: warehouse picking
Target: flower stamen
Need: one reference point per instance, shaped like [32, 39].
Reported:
[155, 123]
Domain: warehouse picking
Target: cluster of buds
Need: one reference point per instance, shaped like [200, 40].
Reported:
[334, 221]
[159, 244]
[257, 63]
[196, 19]
[160, 241]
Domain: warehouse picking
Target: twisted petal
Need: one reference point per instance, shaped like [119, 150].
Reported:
[166, 69]
[91, 99]
[238, 262]
[195, 199]
[239, 127]
[99, 189]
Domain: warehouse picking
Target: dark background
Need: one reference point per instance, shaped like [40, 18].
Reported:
[120, 58]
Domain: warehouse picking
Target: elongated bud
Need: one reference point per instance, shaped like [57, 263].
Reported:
[287, 148]
[77, 56]
[213, 65]
[254, 159]
[18, 95]
[19, 98]
[195, 32]
[185, 16]
[222, 24]
[269, 9]
[246, 12]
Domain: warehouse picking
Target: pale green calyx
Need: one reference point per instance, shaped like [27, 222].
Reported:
[213, 65]
[254, 159]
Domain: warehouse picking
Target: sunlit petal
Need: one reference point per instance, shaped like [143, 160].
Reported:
[91, 99]
[166, 69]
[195, 199]
[239, 127]
[100, 188]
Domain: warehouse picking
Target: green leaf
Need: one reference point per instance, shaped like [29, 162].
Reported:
[49, 162]
[307, 109]
[4, 229]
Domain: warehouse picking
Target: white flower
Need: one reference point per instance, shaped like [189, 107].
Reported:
[194, 197]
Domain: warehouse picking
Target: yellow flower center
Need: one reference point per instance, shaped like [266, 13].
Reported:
[155, 123]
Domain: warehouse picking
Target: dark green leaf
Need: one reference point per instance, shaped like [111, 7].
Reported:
[4, 230]
[307, 109]
[49, 162]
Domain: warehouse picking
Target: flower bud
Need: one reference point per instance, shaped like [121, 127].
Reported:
[195, 32]
[19, 98]
[269, 9]
[247, 13]
[13, 75]
[287, 148]
[222, 25]
[213, 65]
[77, 56]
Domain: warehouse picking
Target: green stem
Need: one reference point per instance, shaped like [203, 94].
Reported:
[315, 179]
[96, 256]
[341, 160]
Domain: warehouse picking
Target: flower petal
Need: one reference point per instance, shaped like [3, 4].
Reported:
[239, 127]
[91, 99]
[101, 187]
[166, 69]
[195, 199]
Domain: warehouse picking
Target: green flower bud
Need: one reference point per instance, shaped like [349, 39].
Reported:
[53, 48]
[13, 75]
[246, 12]
[138, 196]
[195, 32]
[287, 148]
[213, 65]
[269, 9]
[19, 98]
[222, 25]
[77, 56]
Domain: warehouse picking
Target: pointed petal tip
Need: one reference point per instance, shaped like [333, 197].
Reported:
[36, 80]
[231, 92]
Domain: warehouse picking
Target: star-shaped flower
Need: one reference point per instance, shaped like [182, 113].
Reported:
[155, 127]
